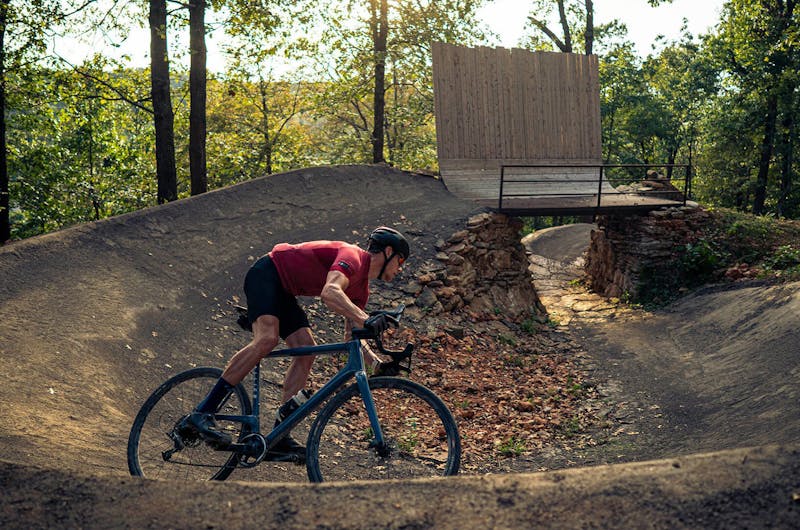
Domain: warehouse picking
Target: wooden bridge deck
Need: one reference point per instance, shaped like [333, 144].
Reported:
[550, 189]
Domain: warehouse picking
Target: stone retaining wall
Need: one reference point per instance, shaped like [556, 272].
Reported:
[483, 268]
[623, 247]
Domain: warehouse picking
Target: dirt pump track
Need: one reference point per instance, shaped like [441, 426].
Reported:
[94, 317]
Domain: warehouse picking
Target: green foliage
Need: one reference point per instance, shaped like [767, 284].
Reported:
[77, 161]
[512, 447]
[532, 224]
[699, 261]
[729, 239]
[345, 106]
[747, 238]
[786, 257]
[506, 340]
[530, 325]
[80, 141]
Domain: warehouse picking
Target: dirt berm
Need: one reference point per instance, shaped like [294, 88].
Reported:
[94, 317]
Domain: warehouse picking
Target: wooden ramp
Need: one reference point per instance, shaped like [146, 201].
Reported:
[520, 131]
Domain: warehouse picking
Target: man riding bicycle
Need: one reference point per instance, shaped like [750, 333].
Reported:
[336, 272]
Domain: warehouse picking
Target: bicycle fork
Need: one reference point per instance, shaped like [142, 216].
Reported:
[379, 443]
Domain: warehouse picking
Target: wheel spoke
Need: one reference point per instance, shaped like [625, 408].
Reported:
[182, 455]
[421, 438]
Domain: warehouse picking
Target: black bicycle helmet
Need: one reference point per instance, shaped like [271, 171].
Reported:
[383, 237]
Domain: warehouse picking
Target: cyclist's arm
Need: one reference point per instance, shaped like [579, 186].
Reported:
[370, 357]
[334, 297]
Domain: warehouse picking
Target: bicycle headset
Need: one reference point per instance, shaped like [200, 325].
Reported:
[383, 237]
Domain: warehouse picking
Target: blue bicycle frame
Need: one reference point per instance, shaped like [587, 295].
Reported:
[353, 368]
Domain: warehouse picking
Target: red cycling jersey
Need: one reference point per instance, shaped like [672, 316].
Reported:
[303, 268]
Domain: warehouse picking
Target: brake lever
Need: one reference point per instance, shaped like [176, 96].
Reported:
[392, 368]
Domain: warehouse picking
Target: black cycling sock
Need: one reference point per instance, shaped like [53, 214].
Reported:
[214, 398]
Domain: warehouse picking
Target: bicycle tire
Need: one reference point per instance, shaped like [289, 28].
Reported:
[157, 420]
[420, 430]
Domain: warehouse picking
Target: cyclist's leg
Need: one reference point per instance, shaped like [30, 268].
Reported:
[294, 381]
[264, 293]
[265, 338]
[297, 374]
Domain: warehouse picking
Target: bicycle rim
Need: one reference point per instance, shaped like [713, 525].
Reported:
[421, 434]
[154, 430]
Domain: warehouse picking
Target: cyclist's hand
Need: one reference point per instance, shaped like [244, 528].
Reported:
[379, 323]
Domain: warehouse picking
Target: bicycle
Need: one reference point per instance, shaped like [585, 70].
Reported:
[378, 427]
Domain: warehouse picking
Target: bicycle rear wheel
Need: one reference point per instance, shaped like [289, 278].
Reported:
[159, 448]
[421, 434]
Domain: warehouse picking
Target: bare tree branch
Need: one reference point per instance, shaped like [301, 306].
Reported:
[121, 95]
[547, 31]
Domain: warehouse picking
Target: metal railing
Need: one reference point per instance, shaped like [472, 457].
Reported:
[614, 181]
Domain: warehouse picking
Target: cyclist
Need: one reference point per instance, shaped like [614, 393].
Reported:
[336, 272]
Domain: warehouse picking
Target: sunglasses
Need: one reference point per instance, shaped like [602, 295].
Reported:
[400, 259]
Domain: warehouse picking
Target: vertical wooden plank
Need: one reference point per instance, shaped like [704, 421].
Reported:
[490, 102]
[494, 103]
[567, 102]
[519, 58]
[532, 95]
[594, 92]
[551, 108]
[583, 119]
[440, 79]
[470, 127]
[506, 101]
[550, 111]
[563, 105]
[572, 146]
[573, 71]
[544, 110]
[485, 147]
[479, 122]
[456, 97]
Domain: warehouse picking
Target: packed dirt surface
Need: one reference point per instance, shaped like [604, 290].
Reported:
[717, 369]
[93, 318]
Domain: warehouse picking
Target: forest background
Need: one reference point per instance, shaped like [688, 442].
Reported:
[87, 141]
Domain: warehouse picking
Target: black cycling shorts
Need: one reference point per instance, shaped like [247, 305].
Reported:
[266, 296]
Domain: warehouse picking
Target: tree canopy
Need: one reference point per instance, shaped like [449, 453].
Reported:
[349, 81]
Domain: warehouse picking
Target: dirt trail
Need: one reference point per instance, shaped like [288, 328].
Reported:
[94, 317]
[718, 369]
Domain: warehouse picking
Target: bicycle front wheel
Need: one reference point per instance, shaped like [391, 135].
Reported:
[159, 447]
[421, 435]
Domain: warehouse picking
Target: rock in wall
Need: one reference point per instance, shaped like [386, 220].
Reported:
[484, 268]
[623, 247]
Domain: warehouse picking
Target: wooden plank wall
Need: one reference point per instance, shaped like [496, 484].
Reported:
[498, 106]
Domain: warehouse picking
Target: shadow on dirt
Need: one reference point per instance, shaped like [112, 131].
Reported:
[94, 317]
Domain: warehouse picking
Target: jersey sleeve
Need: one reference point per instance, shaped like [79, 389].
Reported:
[348, 262]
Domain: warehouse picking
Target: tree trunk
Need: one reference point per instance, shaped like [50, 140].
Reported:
[562, 14]
[163, 117]
[379, 37]
[588, 37]
[672, 154]
[767, 146]
[268, 141]
[787, 162]
[197, 94]
[5, 203]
